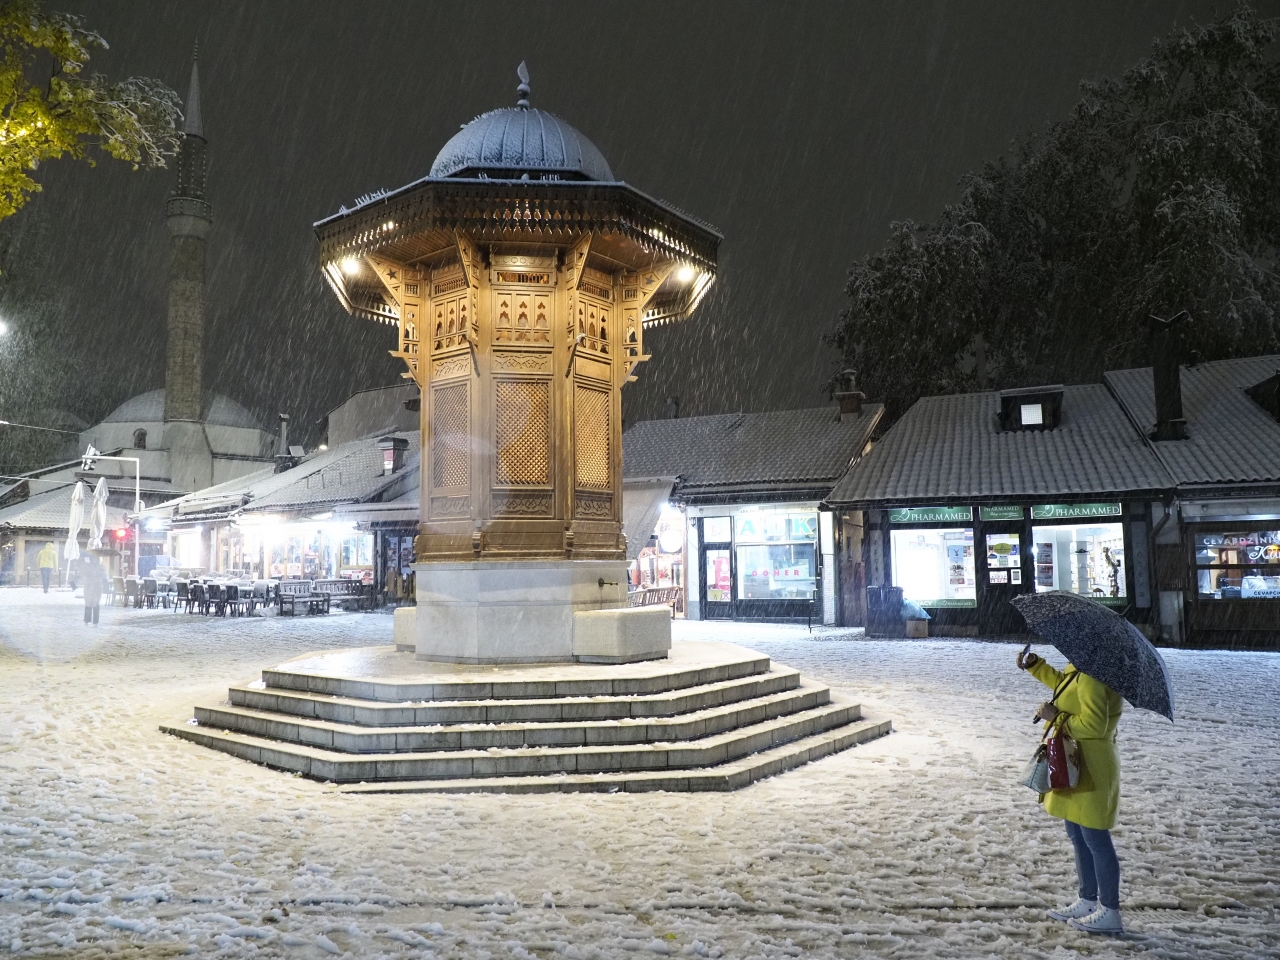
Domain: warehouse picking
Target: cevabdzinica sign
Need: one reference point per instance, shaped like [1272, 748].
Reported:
[1074, 511]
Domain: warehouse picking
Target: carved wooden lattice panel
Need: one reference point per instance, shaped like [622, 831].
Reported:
[591, 438]
[450, 450]
[522, 423]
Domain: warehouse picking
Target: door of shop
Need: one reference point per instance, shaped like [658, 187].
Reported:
[1002, 577]
[716, 537]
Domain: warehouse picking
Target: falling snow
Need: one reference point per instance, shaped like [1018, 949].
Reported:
[917, 845]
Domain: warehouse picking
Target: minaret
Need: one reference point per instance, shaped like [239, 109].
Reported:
[189, 217]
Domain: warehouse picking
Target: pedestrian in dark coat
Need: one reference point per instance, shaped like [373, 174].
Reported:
[93, 574]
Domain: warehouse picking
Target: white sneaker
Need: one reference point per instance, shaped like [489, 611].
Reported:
[1077, 911]
[1102, 920]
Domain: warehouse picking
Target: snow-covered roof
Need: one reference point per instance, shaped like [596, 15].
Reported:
[520, 138]
[749, 455]
[51, 510]
[1230, 438]
[148, 407]
[348, 473]
[952, 448]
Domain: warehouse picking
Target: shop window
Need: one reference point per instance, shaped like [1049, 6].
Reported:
[777, 555]
[719, 582]
[1004, 558]
[1238, 565]
[1086, 559]
[934, 566]
[661, 562]
[357, 550]
[717, 529]
[784, 571]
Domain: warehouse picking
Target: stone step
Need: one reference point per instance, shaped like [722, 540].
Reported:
[347, 738]
[329, 765]
[733, 775]
[371, 713]
[331, 674]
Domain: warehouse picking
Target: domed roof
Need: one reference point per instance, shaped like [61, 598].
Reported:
[511, 141]
[221, 411]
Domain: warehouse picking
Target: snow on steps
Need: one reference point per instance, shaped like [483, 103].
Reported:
[733, 775]
[712, 717]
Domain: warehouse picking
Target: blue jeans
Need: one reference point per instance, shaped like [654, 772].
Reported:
[1096, 864]
[45, 574]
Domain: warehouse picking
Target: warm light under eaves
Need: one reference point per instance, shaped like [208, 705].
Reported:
[686, 273]
[350, 266]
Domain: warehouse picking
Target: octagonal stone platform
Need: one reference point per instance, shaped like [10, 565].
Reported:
[711, 716]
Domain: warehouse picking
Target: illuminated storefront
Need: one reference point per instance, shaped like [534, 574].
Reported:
[756, 541]
[963, 563]
[1230, 551]
[1079, 548]
[326, 518]
[661, 563]
[762, 561]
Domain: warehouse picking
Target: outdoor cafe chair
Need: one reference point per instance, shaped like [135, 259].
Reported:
[182, 595]
[118, 591]
[132, 591]
[199, 598]
[261, 594]
[236, 602]
[149, 591]
[217, 598]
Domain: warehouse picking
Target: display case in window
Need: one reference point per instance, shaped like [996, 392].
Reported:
[1238, 565]
[1004, 558]
[1085, 559]
[934, 566]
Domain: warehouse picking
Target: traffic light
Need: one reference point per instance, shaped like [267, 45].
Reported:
[121, 533]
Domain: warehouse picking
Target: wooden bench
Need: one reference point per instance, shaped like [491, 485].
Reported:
[654, 596]
[344, 591]
[290, 593]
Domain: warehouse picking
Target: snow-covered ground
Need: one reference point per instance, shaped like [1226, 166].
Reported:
[917, 845]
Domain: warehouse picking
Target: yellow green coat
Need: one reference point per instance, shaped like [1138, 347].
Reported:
[1092, 712]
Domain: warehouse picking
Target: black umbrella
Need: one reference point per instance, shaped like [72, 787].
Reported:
[1102, 644]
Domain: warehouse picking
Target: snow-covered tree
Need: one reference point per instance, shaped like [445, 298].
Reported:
[68, 112]
[1159, 193]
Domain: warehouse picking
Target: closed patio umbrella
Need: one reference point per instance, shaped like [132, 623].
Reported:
[75, 521]
[98, 516]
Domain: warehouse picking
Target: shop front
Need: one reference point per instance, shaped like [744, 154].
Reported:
[1232, 554]
[268, 547]
[963, 564]
[761, 561]
[658, 571]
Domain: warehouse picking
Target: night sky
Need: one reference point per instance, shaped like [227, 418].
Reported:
[800, 130]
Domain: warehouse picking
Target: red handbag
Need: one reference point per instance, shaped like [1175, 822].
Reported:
[1063, 754]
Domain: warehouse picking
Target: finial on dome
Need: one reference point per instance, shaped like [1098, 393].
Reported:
[522, 72]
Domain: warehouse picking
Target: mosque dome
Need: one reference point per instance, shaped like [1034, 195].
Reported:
[511, 142]
[220, 411]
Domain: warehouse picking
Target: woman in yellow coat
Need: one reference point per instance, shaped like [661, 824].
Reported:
[1090, 712]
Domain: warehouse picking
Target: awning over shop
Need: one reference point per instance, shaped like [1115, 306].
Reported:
[642, 500]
